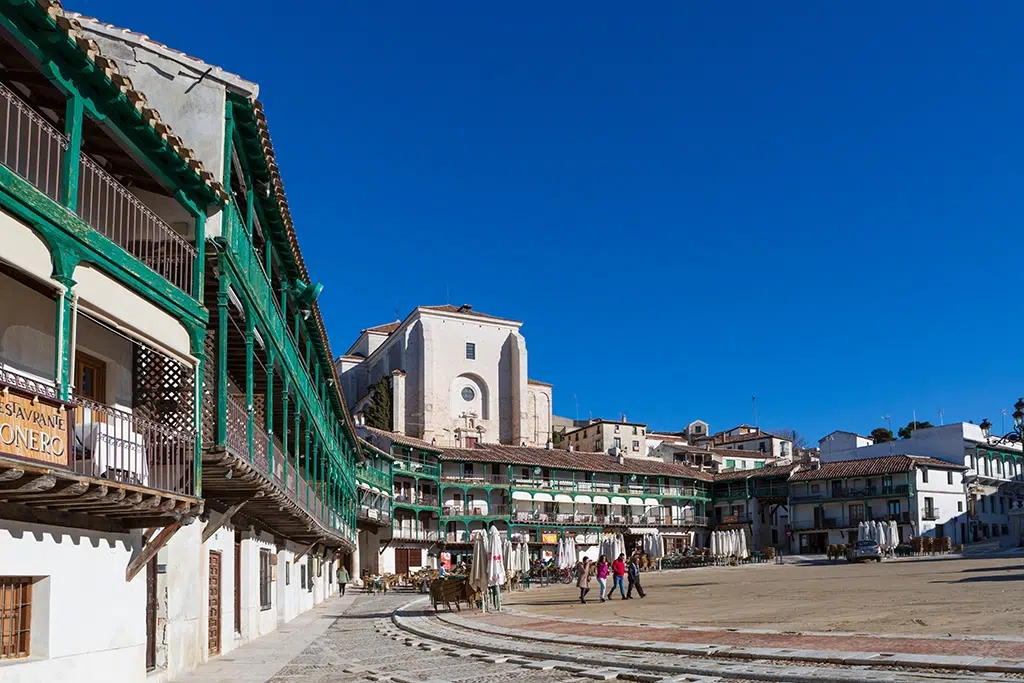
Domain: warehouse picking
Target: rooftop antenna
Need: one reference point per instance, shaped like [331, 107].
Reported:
[888, 418]
[940, 417]
[1002, 421]
[754, 399]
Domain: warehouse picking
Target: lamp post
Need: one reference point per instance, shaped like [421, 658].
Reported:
[1018, 419]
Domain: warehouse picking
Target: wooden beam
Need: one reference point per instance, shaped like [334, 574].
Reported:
[306, 550]
[212, 528]
[44, 482]
[12, 474]
[150, 551]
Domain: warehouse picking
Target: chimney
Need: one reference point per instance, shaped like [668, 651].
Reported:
[570, 447]
[619, 457]
[549, 446]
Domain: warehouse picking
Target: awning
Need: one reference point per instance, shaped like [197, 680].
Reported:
[562, 498]
[363, 485]
[636, 501]
[619, 500]
[642, 530]
[651, 501]
[542, 497]
[580, 498]
[601, 500]
[375, 489]
[521, 495]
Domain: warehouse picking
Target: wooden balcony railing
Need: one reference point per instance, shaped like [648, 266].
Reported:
[114, 444]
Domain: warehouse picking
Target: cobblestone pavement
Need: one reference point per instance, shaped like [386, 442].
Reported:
[357, 647]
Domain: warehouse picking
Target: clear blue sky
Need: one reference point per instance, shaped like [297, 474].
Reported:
[688, 203]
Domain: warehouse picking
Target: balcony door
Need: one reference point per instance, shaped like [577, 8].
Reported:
[90, 377]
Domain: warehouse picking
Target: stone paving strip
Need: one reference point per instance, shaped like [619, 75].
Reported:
[598, 658]
[987, 653]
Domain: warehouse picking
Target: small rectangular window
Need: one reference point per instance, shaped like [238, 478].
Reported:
[636, 445]
[265, 574]
[302, 576]
[616, 429]
[470, 351]
[309, 573]
[287, 573]
[15, 616]
[618, 442]
[959, 506]
[924, 474]
[949, 477]
[730, 463]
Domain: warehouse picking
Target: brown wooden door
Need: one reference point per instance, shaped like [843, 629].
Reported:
[214, 588]
[238, 583]
[401, 560]
[151, 615]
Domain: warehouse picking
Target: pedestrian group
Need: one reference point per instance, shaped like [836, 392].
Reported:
[620, 572]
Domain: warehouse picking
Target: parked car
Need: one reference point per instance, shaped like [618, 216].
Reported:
[864, 550]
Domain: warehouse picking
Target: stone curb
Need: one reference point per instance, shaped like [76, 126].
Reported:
[694, 667]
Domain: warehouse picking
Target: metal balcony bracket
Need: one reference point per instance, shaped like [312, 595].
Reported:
[150, 550]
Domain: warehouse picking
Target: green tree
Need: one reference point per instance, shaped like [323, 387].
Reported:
[905, 432]
[378, 411]
[882, 435]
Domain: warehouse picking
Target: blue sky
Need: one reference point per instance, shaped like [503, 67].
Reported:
[688, 204]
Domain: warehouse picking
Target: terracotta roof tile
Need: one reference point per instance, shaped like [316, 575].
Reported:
[386, 328]
[402, 439]
[464, 309]
[762, 473]
[867, 467]
[570, 460]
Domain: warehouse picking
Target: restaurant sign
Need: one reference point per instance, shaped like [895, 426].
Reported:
[34, 429]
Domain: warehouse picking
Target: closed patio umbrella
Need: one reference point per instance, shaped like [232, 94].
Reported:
[495, 565]
[478, 570]
[714, 544]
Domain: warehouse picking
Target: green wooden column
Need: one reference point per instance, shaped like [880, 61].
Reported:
[270, 413]
[284, 433]
[64, 338]
[223, 301]
[74, 110]
[250, 412]
[298, 441]
[305, 462]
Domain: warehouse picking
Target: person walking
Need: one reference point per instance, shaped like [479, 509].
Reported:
[602, 576]
[343, 578]
[634, 579]
[619, 570]
[583, 582]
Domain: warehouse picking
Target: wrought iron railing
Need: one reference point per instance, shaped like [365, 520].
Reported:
[31, 147]
[470, 479]
[114, 212]
[418, 534]
[35, 150]
[372, 475]
[422, 499]
[114, 444]
[474, 511]
[416, 467]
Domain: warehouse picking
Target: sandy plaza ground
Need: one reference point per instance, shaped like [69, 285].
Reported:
[940, 595]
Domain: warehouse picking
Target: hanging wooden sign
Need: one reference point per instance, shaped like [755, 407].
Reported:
[35, 429]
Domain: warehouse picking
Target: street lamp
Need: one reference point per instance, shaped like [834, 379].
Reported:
[1018, 417]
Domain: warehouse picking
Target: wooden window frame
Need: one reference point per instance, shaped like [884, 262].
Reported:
[15, 619]
[266, 597]
[82, 360]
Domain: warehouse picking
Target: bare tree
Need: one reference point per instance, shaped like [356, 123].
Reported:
[798, 439]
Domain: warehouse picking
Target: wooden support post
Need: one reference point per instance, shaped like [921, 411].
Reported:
[150, 551]
[212, 528]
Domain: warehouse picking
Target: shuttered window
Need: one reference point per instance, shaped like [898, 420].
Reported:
[15, 616]
[265, 584]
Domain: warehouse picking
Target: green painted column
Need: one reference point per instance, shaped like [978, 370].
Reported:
[64, 338]
[249, 211]
[250, 412]
[298, 442]
[284, 433]
[199, 266]
[270, 413]
[74, 111]
[223, 301]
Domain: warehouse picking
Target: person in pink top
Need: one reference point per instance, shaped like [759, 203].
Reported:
[602, 575]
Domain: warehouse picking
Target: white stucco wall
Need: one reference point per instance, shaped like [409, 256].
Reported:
[87, 620]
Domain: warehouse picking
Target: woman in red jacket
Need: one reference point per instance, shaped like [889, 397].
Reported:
[619, 570]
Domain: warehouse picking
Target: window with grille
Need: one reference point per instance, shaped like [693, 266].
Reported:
[302, 576]
[15, 616]
[309, 573]
[265, 574]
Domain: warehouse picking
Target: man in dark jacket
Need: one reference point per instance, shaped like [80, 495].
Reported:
[634, 578]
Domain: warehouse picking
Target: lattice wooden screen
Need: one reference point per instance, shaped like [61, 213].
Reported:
[163, 389]
[210, 389]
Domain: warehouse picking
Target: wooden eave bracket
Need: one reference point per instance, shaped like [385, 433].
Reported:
[212, 528]
[305, 550]
[150, 550]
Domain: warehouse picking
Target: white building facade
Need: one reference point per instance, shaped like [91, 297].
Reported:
[994, 481]
[459, 377]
